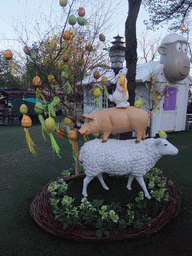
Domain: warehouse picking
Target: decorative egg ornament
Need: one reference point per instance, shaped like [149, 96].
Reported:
[26, 122]
[51, 79]
[96, 75]
[50, 126]
[66, 57]
[8, 54]
[101, 37]
[81, 12]
[73, 137]
[27, 50]
[81, 21]
[63, 3]
[67, 121]
[104, 80]
[37, 82]
[23, 109]
[39, 108]
[97, 92]
[67, 35]
[72, 20]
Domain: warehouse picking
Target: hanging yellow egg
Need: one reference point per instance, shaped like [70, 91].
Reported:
[96, 92]
[67, 121]
[51, 79]
[104, 80]
[23, 109]
[50, 125]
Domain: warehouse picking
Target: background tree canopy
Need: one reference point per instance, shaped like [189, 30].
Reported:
[164, 11]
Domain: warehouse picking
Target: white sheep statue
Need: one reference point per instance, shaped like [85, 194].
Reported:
[120, 96]
[122, 157]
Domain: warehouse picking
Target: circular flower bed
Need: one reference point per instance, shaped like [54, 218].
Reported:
[56, 211]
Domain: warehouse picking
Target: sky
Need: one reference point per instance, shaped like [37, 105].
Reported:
[31, 14]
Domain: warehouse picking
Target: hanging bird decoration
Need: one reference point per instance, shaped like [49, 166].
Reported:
[26, 122]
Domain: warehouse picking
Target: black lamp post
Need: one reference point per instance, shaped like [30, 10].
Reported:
[117, 54]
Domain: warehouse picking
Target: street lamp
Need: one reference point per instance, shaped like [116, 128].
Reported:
[117, 54]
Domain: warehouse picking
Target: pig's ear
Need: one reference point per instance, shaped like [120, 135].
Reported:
[84, 116]
[87, 116]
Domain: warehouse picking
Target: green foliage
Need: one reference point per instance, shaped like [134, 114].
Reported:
[104, 217]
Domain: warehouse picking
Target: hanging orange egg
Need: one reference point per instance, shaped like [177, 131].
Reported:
[96, 75]
[26, 121]
[72, 135]
[81, 12]
[37, 81]
[167, 95]
[67, 35]
[153, 99]
[66, 57]
[8, 54]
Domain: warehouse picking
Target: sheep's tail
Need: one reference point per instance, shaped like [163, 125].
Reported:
[150, 114]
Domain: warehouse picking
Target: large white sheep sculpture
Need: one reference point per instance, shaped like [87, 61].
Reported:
[122, 157]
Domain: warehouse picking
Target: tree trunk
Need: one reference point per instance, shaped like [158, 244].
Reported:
[131, 52]
[131, 47]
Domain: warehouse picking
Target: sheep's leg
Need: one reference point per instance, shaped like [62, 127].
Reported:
[142, 184]
[130, 181]
[86, 181]
[100, 177]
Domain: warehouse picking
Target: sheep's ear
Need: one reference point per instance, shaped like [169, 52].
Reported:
[162, 50]
[157, 142]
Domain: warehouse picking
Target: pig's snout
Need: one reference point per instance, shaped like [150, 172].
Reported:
[83, 132]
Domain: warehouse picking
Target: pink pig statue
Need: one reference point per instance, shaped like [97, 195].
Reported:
[116, 120]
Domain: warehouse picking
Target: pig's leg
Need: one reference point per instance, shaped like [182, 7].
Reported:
[105, 136]
[86, 181]
[130, 181]
[139, 136]
[100, 177]
[142, 184]
[144, 134]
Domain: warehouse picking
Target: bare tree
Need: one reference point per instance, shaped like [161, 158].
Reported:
[148, 47]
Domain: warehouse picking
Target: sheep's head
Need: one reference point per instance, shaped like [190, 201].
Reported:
[164, 147]
[173, 51]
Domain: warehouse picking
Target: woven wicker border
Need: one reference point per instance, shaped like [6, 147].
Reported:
[40, 211]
